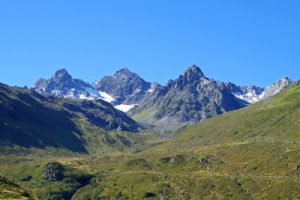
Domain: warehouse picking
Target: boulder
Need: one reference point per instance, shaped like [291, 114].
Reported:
[54, 172]
[178, 159]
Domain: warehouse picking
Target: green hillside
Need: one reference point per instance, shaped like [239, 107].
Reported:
[253, 153]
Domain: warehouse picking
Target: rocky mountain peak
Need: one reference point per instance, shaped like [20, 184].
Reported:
[124, 72]
[62, 84]
[61, 75]
[193, 73]
[125, 86]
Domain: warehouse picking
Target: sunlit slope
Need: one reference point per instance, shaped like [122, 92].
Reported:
[275, 120]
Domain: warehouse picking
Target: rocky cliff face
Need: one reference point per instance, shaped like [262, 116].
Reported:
[276, 87]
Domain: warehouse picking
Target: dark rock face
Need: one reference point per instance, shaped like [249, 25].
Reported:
[53, 172]
[126, 87]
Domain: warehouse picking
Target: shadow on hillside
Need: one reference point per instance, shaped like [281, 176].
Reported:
[26, 122]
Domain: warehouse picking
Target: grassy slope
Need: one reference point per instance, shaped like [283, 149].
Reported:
[10, 190]
[252, 153]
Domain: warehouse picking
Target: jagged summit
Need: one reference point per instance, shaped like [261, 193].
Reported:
[124, 71]
[194, 70]
[61, 75]
[61, 72]
[192, 74]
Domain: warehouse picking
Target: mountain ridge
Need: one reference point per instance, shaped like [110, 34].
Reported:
[190, 98]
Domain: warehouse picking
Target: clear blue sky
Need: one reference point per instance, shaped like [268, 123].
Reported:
[246, 42]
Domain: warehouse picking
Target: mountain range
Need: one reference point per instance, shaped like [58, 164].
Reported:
[190, 98]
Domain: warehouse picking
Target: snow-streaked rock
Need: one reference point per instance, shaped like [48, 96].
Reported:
[254, 94]
[125, 86]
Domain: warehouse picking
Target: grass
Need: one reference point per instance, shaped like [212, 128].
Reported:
[10, 190]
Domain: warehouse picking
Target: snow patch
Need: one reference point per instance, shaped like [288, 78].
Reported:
[106, 97]
[124, 107]
[262, 95]
[150, 90]
[83, 96]
[249, 97]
